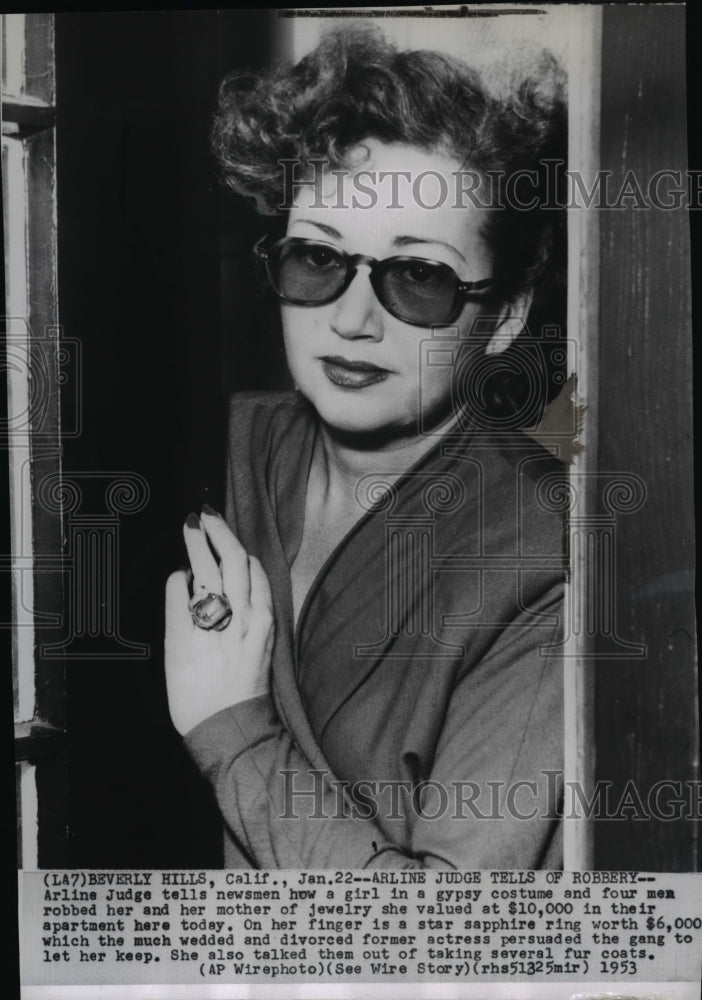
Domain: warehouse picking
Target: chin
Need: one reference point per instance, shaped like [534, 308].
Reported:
[361, 423]
[357, 416]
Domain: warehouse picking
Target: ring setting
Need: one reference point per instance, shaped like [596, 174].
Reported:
[212, 611]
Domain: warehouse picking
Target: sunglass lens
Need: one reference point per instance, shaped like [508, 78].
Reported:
[307, 272]
[422, 293]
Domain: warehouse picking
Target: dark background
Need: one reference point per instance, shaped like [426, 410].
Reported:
[147, 241]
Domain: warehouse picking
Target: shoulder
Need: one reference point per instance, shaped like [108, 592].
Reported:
[513, 457]
[524, 489]
[245, 405]
[516, 448]
[506, 460]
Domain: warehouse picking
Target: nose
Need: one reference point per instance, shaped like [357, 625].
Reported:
[357, 313]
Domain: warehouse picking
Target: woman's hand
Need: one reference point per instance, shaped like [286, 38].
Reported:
[207, 671]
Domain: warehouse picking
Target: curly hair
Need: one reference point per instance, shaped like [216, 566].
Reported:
[356, 85]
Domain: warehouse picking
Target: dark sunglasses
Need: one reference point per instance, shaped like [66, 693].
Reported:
[417, 291]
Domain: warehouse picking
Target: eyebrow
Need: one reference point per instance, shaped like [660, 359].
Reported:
[329, 230]
[405, 241]
[399, 241]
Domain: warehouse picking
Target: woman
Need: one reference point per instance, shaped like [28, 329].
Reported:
[362, 669]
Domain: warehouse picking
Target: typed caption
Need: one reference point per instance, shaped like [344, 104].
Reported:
[104, 927]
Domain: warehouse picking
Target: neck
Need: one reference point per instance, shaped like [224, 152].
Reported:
[343, 459]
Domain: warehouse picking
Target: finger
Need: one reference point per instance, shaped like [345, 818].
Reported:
[207, 578]
[260, 587]
[234, 562]
[178, 618]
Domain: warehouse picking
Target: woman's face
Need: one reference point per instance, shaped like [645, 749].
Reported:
[359, 366]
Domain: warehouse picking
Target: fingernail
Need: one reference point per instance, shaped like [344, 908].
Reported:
[192, 521]
[206, 509]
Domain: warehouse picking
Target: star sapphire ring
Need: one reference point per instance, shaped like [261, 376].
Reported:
[213, 611]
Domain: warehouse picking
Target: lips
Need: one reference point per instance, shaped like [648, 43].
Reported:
[352, 374]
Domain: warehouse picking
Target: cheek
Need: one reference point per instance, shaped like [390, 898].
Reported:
[302, 324]
[436, 386]
[426, 386]
[297, 328]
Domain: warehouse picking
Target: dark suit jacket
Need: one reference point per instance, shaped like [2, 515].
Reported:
[415, 718]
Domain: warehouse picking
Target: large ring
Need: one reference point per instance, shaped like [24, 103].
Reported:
[213, 611]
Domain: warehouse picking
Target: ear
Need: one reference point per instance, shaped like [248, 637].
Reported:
[510, 323]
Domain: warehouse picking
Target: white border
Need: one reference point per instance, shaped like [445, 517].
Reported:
[377, 991]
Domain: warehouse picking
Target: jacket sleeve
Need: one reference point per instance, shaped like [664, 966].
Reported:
[491, 800]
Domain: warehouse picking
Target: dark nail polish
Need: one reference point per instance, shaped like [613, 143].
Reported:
[206, 509]
[192, 521]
